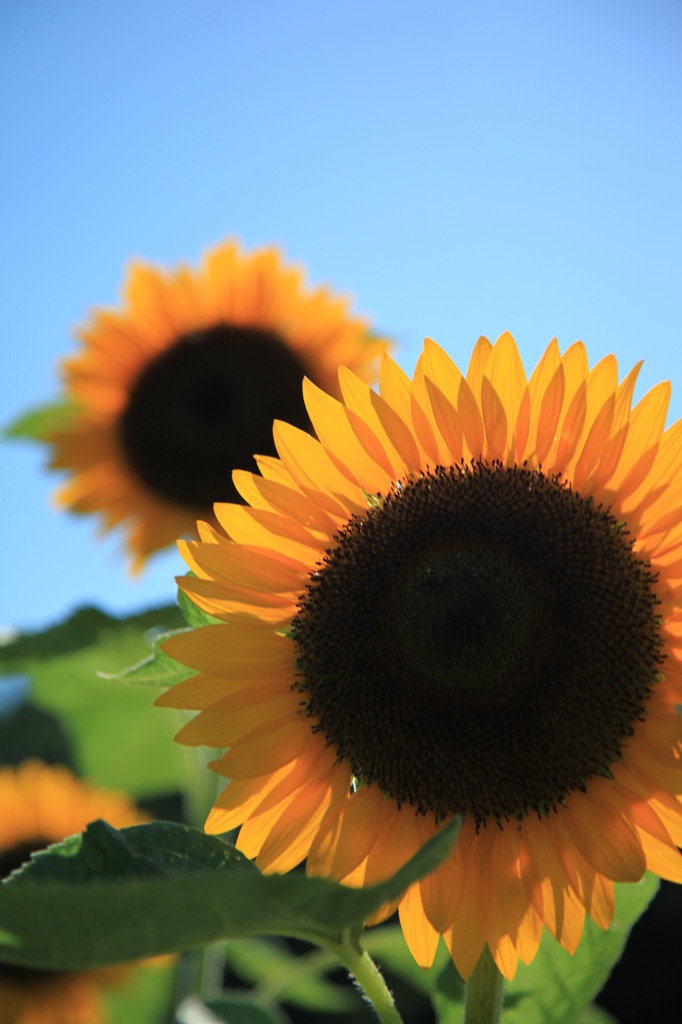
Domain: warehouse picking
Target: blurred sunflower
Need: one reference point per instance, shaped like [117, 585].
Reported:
[184, 383]
[463, 599]
[39, 805]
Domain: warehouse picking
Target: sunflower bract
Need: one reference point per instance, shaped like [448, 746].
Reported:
[462, 595]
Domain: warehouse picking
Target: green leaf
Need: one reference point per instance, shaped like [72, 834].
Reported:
[159, 850]
[38, 423]
[103, 716]
[194, 616]
[157, 669]
[595, 1015]
[238, 1009]
[557, 988]
[162, 888]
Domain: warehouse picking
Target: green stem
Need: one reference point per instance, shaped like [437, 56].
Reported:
[483, 1000]
[368, 976]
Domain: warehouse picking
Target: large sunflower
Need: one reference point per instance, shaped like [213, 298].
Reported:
[41, 804]
[182, 385]
[464, 598]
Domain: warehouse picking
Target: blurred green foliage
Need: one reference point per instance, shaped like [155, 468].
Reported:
[118, 738]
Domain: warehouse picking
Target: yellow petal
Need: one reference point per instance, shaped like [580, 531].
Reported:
[495, 421]
[529, 936]
[288, 841]
[346, 836]
[594, 444]
[272, 495]
[477, 365]
[365, 404]
[243, 566]
[501, 895]
[448, 422]
[395, 388]
[507, 377]
[547, 885]
[570, 429]
[245, 648]
[465, 939]
[647, 421]
[315, 473]
[604, 838]
[442, 891]
[239, 798]
[260, 528]
[600, 385]
[548, 416]
[267, 748]
[604, 445]
[398, 432]
[350, 443]
[420, 935]
[425, 424]
[233, 717]
[220, 599]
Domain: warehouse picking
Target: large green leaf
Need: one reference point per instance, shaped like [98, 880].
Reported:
[109, 896]
[119, 738]
[557, 988]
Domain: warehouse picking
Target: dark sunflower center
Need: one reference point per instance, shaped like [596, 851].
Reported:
[205, 406]
[10, 860]
[482, 641]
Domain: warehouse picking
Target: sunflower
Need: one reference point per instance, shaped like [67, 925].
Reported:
[41, 804]
[184, 383]
[463, 598]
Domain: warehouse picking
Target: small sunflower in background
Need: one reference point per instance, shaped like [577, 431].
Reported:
[462, 598]
[42, 804]
[182, 385]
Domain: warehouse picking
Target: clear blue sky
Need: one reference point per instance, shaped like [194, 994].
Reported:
[459, 168]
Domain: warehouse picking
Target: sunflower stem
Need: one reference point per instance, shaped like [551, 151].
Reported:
[368, 977]
[483, 998]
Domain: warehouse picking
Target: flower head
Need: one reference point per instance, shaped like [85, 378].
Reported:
[183, 384]
[39, 805]
[462, 598]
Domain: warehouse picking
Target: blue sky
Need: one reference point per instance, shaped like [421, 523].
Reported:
[459, 168]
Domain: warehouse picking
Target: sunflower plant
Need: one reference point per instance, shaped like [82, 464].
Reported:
[440, 643]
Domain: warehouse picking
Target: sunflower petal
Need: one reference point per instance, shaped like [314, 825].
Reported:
[421, 937]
